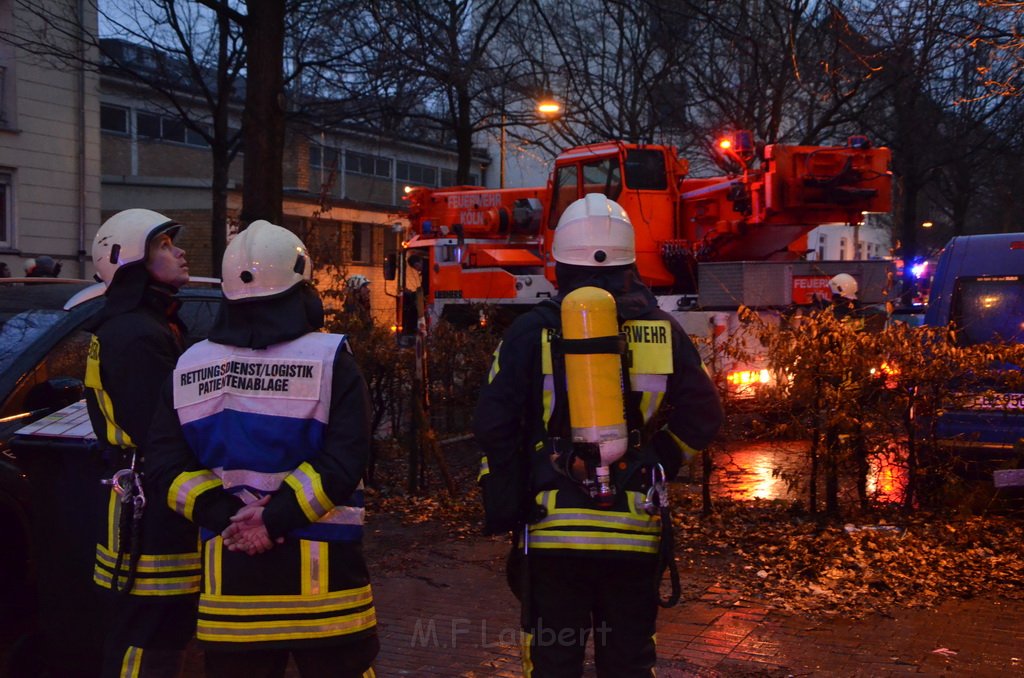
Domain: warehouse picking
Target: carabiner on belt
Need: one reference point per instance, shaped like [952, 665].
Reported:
[657, 493]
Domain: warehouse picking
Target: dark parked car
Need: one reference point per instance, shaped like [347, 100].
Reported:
[42, 365]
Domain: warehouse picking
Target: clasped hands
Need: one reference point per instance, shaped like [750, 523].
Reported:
[247, 531]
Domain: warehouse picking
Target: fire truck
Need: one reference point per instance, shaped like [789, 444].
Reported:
[705, 246]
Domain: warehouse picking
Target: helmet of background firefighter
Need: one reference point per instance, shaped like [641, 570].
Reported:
[843, 285]
[123, 240]
[594, 231]
[264, 260]
[357, 282]
[42, 267]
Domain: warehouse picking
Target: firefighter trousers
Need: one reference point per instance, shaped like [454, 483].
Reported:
[352, 659]
[571, 598]
[147, 635]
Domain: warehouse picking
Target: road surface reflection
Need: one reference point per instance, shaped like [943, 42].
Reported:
[780, 470]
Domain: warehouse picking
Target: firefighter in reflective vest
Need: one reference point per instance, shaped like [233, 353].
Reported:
[146, 553]
[589, 542]
[261, 438]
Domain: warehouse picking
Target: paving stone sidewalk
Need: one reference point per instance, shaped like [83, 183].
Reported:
[452, 614]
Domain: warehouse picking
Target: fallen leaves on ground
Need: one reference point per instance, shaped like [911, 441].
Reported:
[763, 551]
[766, 551]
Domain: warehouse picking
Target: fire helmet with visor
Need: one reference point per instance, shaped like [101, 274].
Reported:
[123, 240]
[262, 261]
[843, 285]
[594, 231]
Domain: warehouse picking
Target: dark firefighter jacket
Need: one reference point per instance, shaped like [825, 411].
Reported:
[512, 413]
[137, 339]
[289, 419]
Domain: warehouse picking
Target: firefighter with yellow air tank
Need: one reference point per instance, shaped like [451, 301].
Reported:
[593, 402]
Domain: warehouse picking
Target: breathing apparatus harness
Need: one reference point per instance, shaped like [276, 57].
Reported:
[127, 483]
[579, 461]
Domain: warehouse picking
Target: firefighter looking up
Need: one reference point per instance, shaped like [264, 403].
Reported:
[261, 438]
[586, 562]
[147, 558]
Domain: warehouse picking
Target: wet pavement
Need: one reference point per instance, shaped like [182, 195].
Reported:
[454, 616]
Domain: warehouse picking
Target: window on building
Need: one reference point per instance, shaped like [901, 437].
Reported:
[369, 165]
[114, 119]
[153, 126]
[447, 177]
[323, 156]
[6, 209]
[842, 249]
[147, 125]
[361, 245]
[416, 174]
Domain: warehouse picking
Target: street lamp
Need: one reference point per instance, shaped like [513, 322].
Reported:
[548, 108]
[926, 224]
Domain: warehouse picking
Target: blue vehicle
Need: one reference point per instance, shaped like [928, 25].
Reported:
[979, 288]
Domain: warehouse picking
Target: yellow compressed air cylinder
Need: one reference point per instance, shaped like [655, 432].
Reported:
[594, 380]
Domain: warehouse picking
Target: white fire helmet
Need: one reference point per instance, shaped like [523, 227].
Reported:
[357, 281]
[264, 260]
[594, 231]
[844, 285]
[124, 238]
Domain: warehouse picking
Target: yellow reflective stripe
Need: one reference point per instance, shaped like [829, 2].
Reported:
[115, 435]
[495, 367]
[594, 541]
[314, 556]
[332, 601]
[369, 673]
[600, 519]
[546, 365]
[484, 468]
[113, 522]
[526, 639]
[309, 491]
[548, 395]
[212, 567]
[688, 452]
[250, 631]
[131, 663]
[149, 586]
[238, 618]
[155, 563]
[187, 487]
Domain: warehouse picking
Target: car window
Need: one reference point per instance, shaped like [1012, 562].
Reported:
[198, 315]
[989, 309]
[65, 360]
[22, 329]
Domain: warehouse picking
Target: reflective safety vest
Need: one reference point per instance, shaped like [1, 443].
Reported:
[569, 523]
[254, 418]
[155, 573]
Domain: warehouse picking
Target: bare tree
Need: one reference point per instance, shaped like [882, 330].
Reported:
[434, 65]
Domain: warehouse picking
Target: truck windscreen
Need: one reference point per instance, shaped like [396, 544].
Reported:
[989, 308]
[645, 170]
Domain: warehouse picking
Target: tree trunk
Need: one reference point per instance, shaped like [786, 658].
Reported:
[263, 118]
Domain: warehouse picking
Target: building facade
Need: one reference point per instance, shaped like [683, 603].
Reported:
[49, 151]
